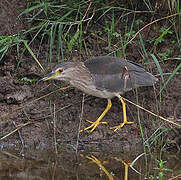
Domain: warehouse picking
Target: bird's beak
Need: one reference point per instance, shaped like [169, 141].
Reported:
[49, 76]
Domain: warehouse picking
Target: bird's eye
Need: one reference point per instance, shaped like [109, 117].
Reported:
[60, 70]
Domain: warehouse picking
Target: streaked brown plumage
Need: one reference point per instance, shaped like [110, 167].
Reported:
[104, 77]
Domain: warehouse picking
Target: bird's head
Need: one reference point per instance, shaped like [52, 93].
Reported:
[62, 71]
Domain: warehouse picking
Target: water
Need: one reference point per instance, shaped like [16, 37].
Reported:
[67, 164]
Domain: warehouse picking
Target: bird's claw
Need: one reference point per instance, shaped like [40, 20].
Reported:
[93, 125]
[91, 122]
[120, 126]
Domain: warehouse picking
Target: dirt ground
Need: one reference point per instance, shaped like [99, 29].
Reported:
[23, 102]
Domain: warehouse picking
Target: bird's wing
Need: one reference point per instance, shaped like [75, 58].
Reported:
[105, 65]
[117, 75]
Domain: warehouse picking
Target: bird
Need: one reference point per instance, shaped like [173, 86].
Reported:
[103, 77]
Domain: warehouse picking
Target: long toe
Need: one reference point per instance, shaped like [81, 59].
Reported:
[92, 126]
[91, 122]
[120, 126]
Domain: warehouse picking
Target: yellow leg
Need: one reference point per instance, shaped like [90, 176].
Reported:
[124, 116]
[126, 166]
[95, 160]
[97, 122]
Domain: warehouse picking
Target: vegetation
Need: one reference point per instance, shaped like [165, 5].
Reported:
[116, 28]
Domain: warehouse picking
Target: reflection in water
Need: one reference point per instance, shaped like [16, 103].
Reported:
[110, 177]
[95, 160]
[87, 165]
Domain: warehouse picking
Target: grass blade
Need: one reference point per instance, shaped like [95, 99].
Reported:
[32, 54]
[171, 76]
[158, 66]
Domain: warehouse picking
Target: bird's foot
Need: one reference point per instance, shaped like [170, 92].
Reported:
[120, 126]
[93, 125]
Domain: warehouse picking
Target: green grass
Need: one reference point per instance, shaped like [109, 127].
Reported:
[7, 42]
[70, 28]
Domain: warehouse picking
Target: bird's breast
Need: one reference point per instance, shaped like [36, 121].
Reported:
[92, 90]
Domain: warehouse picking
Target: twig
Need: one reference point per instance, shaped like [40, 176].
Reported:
[176, 14]
[158, 116]
[33, 101]
[54, 129]
[22, 141]
[80, 122]
[18, 127]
